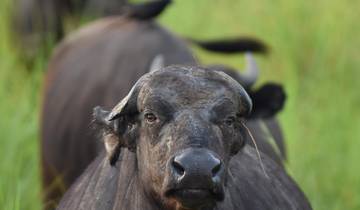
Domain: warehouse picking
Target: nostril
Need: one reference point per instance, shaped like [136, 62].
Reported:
[216, 170]
[178, 168]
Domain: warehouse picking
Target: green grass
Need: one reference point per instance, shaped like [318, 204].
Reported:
[315, 53]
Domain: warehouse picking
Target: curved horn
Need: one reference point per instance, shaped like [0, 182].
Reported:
[251, 73]
[157, 63]
[129, 103]
[245, 100]
[120, 108]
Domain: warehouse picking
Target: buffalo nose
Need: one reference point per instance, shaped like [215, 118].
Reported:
[196, 164]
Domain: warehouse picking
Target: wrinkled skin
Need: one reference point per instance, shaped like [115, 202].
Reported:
[180, 120]
[207, 120]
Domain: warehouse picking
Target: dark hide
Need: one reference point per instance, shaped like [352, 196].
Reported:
[118, 188]
[96, 66]
[183, 122]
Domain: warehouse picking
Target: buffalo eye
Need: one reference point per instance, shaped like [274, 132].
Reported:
[150, 118]
[229, 121]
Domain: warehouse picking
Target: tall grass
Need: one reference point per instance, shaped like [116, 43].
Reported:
[315, 53]
[19, 95]
[18, 131]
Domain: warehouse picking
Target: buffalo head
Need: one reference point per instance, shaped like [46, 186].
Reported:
[184, 124]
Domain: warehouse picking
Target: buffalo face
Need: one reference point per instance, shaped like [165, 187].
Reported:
[184, 125]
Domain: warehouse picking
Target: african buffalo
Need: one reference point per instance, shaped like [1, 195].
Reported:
[176, 141]
[97, 66]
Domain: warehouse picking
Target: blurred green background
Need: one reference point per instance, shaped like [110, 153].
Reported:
[315, 53]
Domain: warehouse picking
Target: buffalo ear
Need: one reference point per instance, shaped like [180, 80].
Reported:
[115, 125]
[111, 134]
[118, 125]
[267, 100]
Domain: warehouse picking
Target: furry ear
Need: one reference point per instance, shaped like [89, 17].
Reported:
[118, 125]
[111, 134]
[267, 101]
